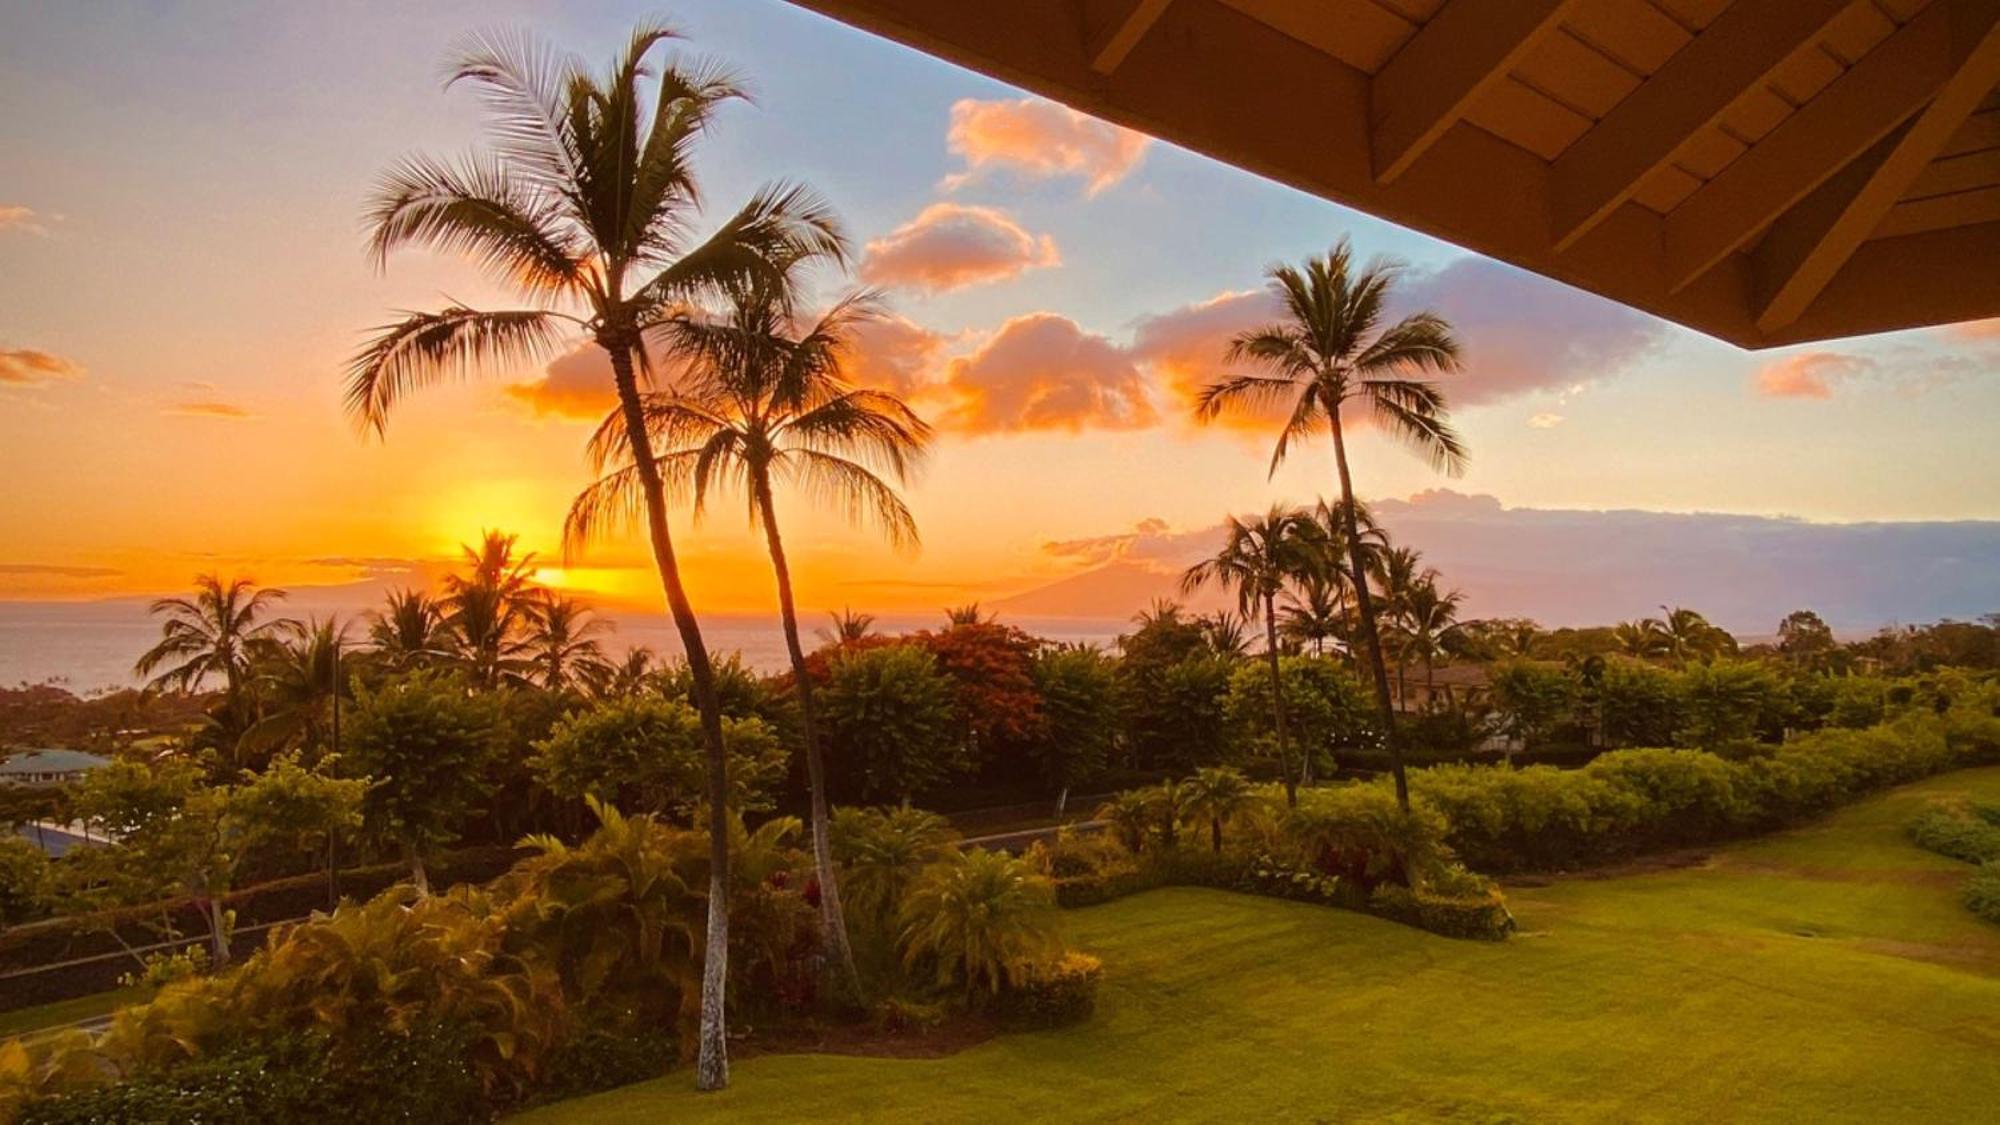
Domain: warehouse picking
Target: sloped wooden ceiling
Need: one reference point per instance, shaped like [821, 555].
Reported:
[1766, 171]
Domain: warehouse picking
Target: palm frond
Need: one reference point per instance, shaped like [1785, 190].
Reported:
[428, 348]
[479, 209]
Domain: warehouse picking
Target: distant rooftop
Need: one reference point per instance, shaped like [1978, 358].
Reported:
[50, 760]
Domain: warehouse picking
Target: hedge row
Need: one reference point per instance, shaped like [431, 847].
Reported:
[1629, 802]
[1982, 892]
[1479, 914]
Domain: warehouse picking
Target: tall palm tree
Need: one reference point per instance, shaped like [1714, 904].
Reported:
[1313, 613]
[215, 633]
[562, 644]
[585, 206]
[409, 629]
[766, 404]
[489, 609]
[1259, 556]
[1329, 351]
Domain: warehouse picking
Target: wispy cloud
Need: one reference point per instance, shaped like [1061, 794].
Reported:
[1039, 138]
[209, 408]
[49, 570]
[950, 246]
[16, 217]
[26, 367]
[1546, 420]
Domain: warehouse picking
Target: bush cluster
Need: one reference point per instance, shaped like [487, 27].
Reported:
[1632, 801]
[1056, 994]
[1958, 832]
[1982, 892]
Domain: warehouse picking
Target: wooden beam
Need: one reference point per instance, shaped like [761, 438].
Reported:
[1936, 277]
[1875, 96]
[1429, 84]
[1809, 245]
[1732, 57]
[1110, 41]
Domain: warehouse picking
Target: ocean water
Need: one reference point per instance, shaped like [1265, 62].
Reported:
[90, 646]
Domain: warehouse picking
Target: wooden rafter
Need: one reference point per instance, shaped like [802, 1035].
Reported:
[1872, 99]
[1113, 37]
[1732, 57]
[1814, 240]
[1429, 84]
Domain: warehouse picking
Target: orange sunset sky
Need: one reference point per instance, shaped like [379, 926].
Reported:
[182, 281]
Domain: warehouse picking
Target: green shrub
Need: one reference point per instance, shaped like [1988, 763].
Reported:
[420, 1076]
[1058, 994]
[1481, 917]
[1982, 892]
[600, 1059]
[1358, 833]
[1954, 831]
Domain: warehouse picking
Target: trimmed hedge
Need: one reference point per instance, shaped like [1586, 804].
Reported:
[1628, 802]
[1956, 833]
[1482, 917]
[1982, 892]
[1054, 995]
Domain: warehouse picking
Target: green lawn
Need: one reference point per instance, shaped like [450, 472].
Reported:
[64, 1012]
[1822, 974]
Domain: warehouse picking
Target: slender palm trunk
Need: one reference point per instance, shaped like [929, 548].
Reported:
[1278, 703]
[712, 1057]
[1364, 603]
[1215, 833]
[833, 919]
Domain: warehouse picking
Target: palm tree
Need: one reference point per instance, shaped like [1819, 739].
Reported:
[1328, 351]
[1400, 573]
[561, 642]
[585, 207]
[848, 628]
[214, 633]
[489, 609]
[968, 614]
[1259, 556]
[1313, 613]
[1517, 638]
[1639, 639]
[1430, 623]
[1227, 634]
[627, 676]
[409, 629]
[1686, 635]
[299, 677]
[766, 403]
[1217, 794]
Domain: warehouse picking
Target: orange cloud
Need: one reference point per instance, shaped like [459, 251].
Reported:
[576, 386]
[1809, 374]
[892, 353]
[1188, 348]
[1042, 139]
[26, 367]
[1978, 329]
[16, 217]
[209, 408]
[1042, 372]
[950, 246]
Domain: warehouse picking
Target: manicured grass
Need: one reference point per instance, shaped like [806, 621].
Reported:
[1827, 973]
[66, 1011]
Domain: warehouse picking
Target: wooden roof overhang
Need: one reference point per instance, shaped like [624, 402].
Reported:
[1765, 171]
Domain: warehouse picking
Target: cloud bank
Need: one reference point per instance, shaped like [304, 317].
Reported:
[1567, 567]
[1043, 372]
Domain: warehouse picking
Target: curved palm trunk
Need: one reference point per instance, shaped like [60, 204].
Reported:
[833, 919]
[1364, 603]
[712, 1058]
[1277, 710]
